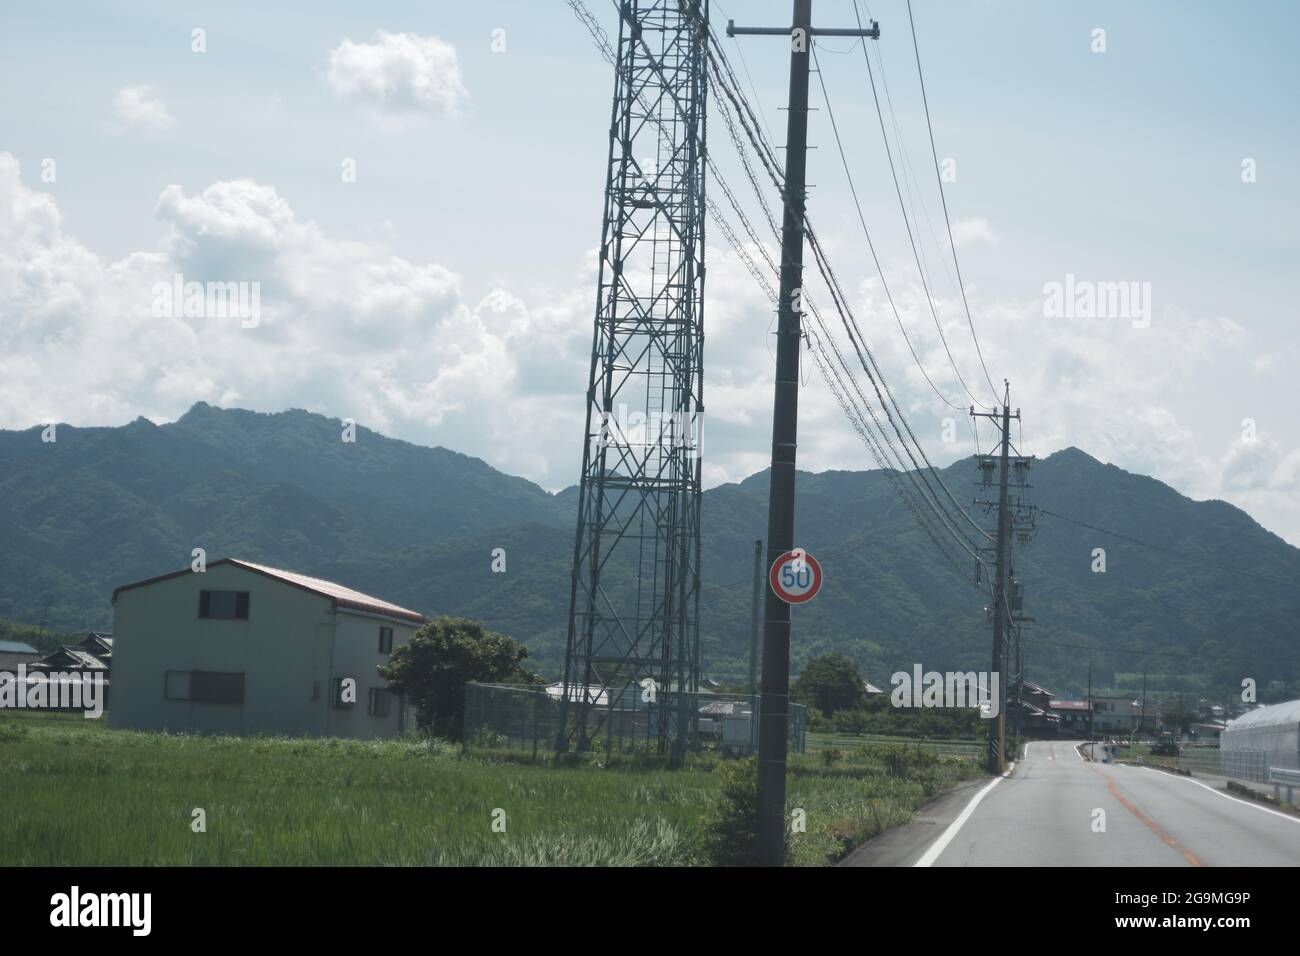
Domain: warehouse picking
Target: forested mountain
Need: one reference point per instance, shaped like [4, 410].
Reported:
[100, 507]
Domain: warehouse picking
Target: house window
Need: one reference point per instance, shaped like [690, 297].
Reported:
[380, 702]
[204, 687]
[224, 605]
[385, 640]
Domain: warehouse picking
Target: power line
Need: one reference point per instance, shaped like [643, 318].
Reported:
[853, 189]
[1178, 554]
[907, 223]
[1174, 655]
[835, 383]
[745, 114]
[744, 65]
[768, 158]
[943, 198]
[909, 170]
[868, 364]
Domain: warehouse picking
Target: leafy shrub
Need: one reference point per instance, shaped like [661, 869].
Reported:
[906, 763]
[729, 833]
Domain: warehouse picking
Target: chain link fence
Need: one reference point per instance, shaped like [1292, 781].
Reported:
[525, 719]
[1236, 764]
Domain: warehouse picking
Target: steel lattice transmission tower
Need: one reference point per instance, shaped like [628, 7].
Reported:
[634, 606]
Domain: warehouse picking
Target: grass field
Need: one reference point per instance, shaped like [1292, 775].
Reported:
[74, 792]
[817, 741]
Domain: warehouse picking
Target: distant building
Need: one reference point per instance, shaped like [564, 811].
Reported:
[99, 643]
[242, 648]
[13, 653]
[95, 653]
[71, 663]
[1207, 729]
[1115, 715]
[1029, 706]
[1073, 715]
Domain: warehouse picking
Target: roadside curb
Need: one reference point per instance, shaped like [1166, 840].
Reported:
[941, 811]
[1249, 793]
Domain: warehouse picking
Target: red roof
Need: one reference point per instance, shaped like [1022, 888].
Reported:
[340, 595]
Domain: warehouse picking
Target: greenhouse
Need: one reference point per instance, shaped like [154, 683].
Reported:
[1272, 731]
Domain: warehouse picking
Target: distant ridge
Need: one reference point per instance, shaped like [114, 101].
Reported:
[415, 525]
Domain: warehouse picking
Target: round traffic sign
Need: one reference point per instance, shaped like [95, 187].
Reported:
[795, 577]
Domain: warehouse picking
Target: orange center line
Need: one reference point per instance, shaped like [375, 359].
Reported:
[1154, 827]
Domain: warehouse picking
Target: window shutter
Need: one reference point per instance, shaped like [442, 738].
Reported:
[203, 603]
[241, 605]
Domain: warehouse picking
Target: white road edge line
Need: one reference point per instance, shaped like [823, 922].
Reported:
[941, 844]
[1219, 793]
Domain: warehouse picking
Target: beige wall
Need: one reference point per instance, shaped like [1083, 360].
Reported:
[289, 650]
[356, 655]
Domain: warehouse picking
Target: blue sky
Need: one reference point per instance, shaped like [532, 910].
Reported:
[445, 296]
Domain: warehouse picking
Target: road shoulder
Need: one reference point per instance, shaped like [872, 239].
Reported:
[903, 845]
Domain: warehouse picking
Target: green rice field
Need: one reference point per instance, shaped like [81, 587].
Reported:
[75, 793]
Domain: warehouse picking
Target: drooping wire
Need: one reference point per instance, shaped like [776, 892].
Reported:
[934, 154]
[853, 189]
[1170, 551]
[907, 223]
[768, 159]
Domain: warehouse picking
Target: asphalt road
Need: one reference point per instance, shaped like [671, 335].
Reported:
[1046, 813]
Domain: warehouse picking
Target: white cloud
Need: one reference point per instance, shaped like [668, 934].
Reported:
[967, 231]
[139, 107]
[350, 329]
[398, 74]
[347, 329]
[1119, 392]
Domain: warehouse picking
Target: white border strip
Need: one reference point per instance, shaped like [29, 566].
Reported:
[941, 844]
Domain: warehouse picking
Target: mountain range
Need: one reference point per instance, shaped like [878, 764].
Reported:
[1195, 594]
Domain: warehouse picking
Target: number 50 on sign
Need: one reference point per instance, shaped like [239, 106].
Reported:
[796, 577]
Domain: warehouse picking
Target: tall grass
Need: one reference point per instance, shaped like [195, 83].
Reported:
[74, 793]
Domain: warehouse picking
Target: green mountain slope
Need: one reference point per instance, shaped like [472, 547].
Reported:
[102, 507]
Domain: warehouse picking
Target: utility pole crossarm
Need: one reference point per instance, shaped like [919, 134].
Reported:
[734, 31]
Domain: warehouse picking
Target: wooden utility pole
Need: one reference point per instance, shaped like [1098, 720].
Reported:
[774, 700]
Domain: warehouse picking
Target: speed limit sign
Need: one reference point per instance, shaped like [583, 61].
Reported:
[796, 577]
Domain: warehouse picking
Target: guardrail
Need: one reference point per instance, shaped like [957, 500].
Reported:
[1280, 777]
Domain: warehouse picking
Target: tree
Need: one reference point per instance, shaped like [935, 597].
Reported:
[1180, 716]
[433, 667]
[829, 683]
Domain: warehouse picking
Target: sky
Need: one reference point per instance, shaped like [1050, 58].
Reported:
[416, 189]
